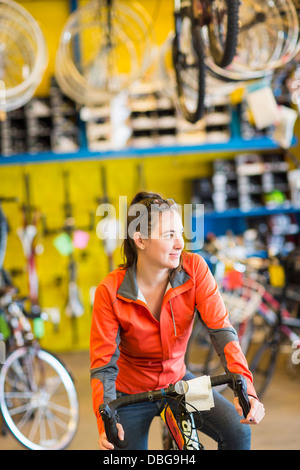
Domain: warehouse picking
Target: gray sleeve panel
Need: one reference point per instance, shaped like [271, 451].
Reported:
[220, 338]
[108, 374]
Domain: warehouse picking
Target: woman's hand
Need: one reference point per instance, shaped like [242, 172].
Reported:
[256, 413]
[104, 444]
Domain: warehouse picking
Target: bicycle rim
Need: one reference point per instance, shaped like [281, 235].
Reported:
[188, 61]
[23, 55]
[223, 31]
[38, 399]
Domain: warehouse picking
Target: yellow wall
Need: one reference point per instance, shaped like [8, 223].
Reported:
[168, 175]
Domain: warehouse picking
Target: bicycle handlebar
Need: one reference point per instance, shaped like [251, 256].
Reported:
[109, 415]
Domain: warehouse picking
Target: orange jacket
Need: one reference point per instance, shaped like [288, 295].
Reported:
[132, 352]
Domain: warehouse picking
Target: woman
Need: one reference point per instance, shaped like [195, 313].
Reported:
[142, 319]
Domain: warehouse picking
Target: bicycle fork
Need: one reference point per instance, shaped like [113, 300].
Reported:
[189, 432]
[182, 428]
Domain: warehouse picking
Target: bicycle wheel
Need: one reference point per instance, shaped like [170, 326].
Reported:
[38, 399]
[23, 55]
[220, 26]
[263, 365]
[223, 31]
[188, 62]
[267, 40]
[104, 48]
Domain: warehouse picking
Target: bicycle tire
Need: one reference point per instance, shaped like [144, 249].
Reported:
[191, 92]
[29, 410]
[263, 366]
[223, 51]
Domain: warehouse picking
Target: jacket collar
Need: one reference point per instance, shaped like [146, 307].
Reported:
[129, 287]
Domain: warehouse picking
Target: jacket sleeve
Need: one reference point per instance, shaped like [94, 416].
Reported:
[104, 352]
[214, 316]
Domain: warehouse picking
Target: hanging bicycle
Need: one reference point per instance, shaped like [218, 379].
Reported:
[23, 55]
[105, 46]
[268, 39]
[203, 28]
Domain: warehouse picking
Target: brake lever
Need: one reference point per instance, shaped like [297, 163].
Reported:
[240, 391]
[110, 424]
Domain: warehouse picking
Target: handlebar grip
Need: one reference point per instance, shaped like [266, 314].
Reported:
[221, 380]
[238, 383]
[110, 424]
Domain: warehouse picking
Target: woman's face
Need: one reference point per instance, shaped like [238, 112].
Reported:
[164, 247]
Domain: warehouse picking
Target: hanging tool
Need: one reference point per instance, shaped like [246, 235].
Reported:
[108, 227]
[27, 234]
[64, 243]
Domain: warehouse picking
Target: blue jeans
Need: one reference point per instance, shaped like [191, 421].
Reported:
[221, 423]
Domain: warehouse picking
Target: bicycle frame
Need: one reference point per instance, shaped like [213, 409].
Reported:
[183, 431]
[277, 316]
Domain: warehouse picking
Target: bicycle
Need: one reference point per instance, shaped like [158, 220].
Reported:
[23, 47]
[270, 321]
[242, 296]
[105, 46]
[202, 27]
[180, 417]
[38, 398]
[279, 326]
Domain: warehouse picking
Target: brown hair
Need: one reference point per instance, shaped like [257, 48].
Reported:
[129, 249]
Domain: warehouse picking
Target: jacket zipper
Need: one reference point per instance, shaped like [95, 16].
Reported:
[174, 325]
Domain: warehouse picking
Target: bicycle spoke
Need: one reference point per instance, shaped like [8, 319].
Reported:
[20, 409]
[55, 419]
[59, 408]
[52, 384]
[19, 372]
[35, 426]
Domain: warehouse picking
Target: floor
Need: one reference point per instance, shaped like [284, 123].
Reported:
[280, 429]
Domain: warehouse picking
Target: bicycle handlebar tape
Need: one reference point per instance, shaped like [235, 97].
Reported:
[239, 385]
[110, 424]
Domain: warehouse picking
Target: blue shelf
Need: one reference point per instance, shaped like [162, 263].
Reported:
[235, 220]
[233, 145]
[257, 212]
